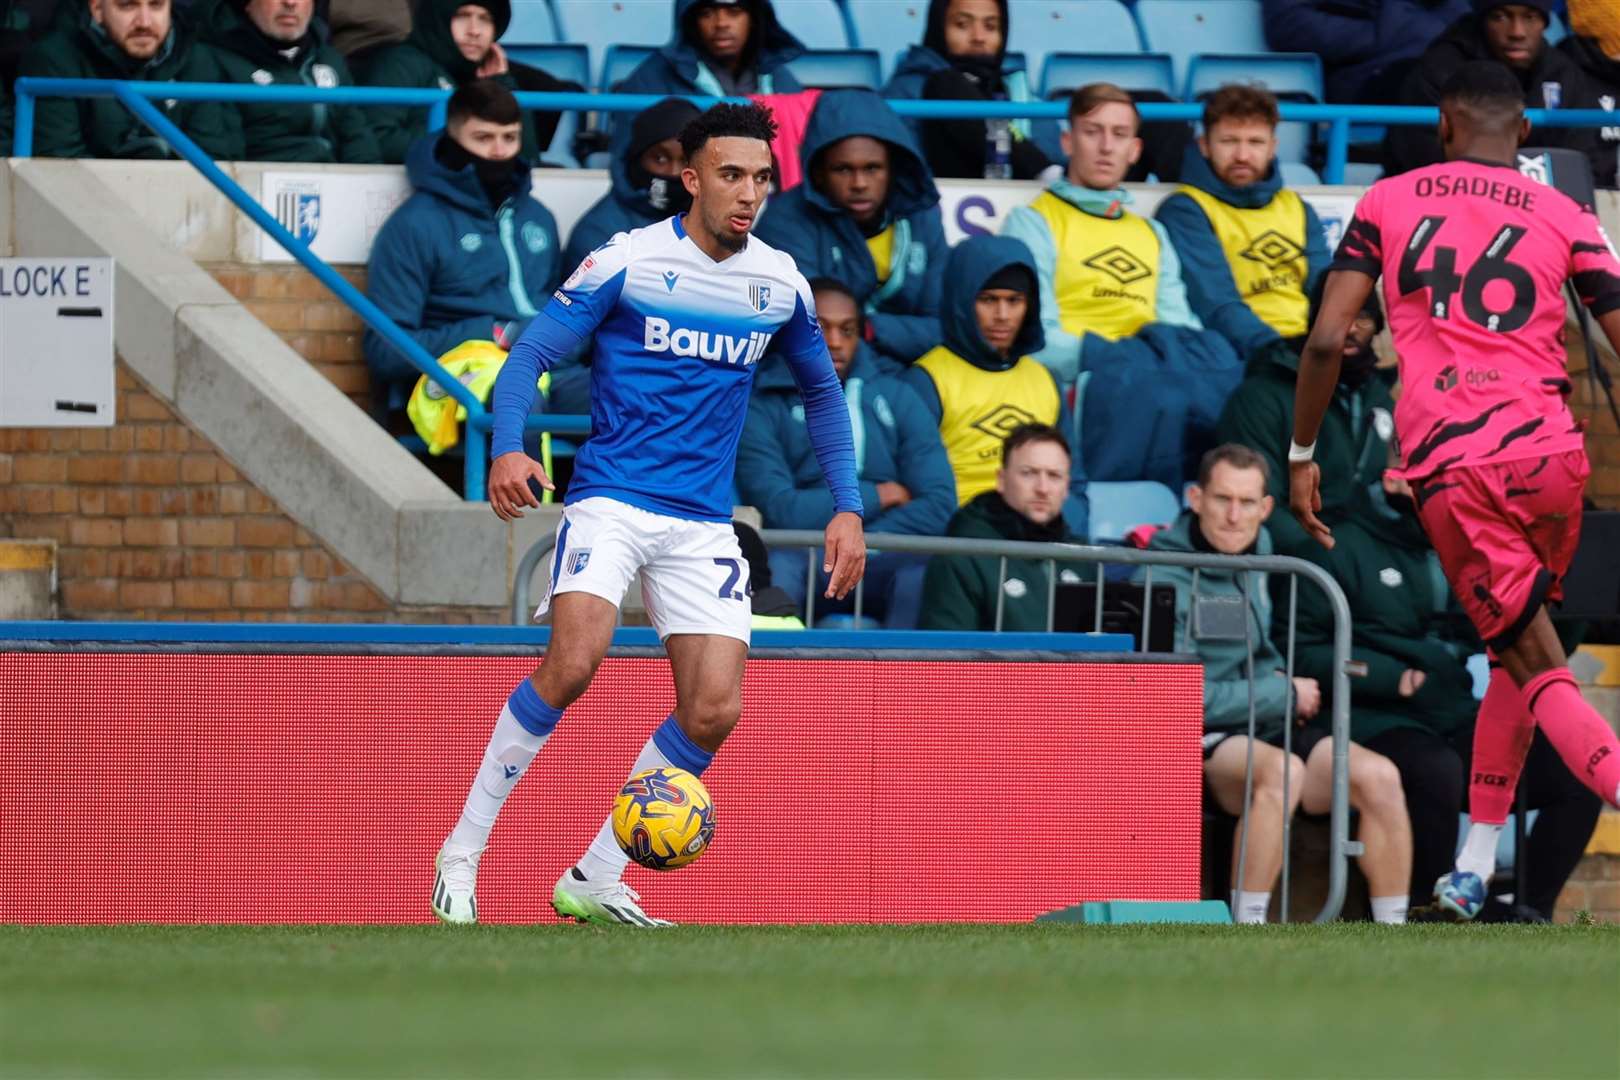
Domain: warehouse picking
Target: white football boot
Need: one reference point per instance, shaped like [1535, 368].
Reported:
[606, 903]
[453, 886]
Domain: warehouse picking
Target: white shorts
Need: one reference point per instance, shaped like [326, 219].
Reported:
[693, 576]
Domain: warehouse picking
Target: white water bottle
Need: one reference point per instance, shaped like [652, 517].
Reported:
[997, 150]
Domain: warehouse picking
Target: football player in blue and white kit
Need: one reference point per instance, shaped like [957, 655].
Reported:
[682, 312]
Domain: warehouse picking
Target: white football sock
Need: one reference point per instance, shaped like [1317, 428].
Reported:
[1250, 907]
[511, 748]
[1390, 909]
[1478, 855]
[605, 860]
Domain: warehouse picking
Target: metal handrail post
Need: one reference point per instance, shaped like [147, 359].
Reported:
[22, 132]
[1338, 150]
[522, 610]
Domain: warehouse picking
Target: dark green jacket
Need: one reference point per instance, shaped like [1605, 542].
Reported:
[959, 592]
[1402, 616]
[1226, 670]
[429, 60]
[1352, 448]
[102, 127]
[305, 133]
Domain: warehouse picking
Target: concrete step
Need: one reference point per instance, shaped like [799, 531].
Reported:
[27, 579]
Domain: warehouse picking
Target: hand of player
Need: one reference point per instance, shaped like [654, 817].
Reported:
[1411, 682]
[1305, 499]
[494, 63]
[846, 554]
[1307, 698]
[509, 484]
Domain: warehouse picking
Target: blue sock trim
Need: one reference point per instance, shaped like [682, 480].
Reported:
[531, 710]
[673, 743]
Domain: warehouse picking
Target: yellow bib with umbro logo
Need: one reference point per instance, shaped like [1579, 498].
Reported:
[980, 409]
[1107, 275]
[1265, 247]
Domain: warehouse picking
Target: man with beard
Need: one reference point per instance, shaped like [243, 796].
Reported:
[134, 40]
[451, 44]
[281, 42]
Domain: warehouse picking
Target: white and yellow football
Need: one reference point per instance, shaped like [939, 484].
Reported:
[663, 818]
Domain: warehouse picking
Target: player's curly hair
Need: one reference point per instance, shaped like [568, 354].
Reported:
[725, 121]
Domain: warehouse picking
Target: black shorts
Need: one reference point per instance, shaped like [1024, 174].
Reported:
[1304, 740]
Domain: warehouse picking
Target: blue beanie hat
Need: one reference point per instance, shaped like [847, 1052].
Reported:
[1484, 7]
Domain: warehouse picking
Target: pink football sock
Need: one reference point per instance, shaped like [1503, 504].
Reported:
[1501, 740]
[1582, 738]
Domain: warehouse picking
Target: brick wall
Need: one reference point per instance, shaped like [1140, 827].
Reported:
[307, 316]
[153, 523]
[1602, 440]
[1594, 888]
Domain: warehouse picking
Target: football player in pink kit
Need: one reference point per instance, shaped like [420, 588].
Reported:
[1474, 258]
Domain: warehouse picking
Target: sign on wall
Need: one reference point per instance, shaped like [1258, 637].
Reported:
[56, 343]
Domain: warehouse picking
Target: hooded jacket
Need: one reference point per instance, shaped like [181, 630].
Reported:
[956, 147]
[429, 59]
[959, 591]
[446, 265]
[1095, 218]
[895, 440]
[623, 208]
[681, 67]
[276, 132]
[1351, 451]
[1226, 672]
[1554, 81]
[1358, 40]
[974, 412]
[1603, 80]
[1402, 616]
[102, 127]
[1212, 248]
[824, 240]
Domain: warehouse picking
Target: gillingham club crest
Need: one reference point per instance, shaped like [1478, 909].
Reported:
[298, 209]
[759, 294]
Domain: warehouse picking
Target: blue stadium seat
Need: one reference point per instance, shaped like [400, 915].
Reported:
[818, 24]
[825, 68]
[601, 24]
[620, 61]
[1042, 26]
[532, 24]
[1298, 174]
[1119, 506]
[1065, 71]
[1184, 27]
[1288, 75]
[890, 26]
[570, 62]
[1362, 173]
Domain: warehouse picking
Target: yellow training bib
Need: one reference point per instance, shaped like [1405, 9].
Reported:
[882, 248]
[1265, 248]
[1107, 274]
[980, 408]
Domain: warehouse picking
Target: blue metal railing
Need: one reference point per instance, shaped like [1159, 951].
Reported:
[136, 96]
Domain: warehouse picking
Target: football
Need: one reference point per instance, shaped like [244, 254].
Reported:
[663, 818]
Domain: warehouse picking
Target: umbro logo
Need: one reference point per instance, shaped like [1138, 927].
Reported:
[1273, 249]
[999, 422]
[1120, 265]
[670, 277]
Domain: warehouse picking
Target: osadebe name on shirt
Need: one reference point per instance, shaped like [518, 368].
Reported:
[1445, 187]
[704, 344]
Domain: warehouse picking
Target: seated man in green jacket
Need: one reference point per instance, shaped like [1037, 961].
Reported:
[281, 42]
[1229, 506]
[960, 592]
[138, 41]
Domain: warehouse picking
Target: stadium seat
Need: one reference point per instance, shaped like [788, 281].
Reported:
[1291, 76]
[1185, 27]
[826, 68]
[602, 24]
[890, 26]
[1298, 174]
[1065, 71]
[1117, 507]
[620, 61]
[1362, 173]
[570, 62]
[532, 24]
[818, 24]
[1041, 26]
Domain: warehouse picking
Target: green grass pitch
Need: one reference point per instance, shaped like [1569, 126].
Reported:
[873, 1001]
